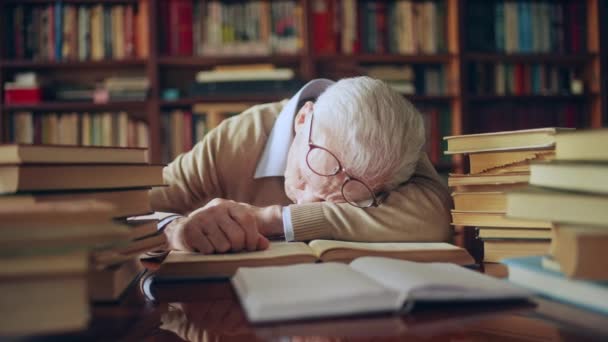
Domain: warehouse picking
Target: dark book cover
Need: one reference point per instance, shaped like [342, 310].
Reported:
[107, 32]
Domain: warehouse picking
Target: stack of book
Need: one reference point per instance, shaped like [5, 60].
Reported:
[87, 129]
[63, 234]
[499, 162]
[572, 192]
[249, 78]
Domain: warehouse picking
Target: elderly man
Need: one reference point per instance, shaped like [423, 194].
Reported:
[339, 160]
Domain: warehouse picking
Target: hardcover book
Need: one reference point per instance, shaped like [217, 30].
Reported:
[366, 285]
[195, 265]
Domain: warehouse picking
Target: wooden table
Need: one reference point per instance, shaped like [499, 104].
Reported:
[210, 311]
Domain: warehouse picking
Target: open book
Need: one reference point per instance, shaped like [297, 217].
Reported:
[199, 266]
[366, 285]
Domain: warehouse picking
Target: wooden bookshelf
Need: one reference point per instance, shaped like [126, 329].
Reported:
[308, 65]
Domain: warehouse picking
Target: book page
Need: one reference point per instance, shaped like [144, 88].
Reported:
[276, 250]
[322, 246]
[310, 291]
[436, 281]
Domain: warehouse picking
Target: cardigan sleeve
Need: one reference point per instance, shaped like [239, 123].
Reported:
[418, 210]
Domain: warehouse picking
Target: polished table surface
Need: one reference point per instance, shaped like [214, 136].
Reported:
[210, 311]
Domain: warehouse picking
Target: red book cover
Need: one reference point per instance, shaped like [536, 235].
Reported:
[24, 95]
[381, 27]
[129, 32]
[187, 131]
[519, 79]
[527, 79]
[322, 29]
[358, 32]
[575, 27]
[184, 31]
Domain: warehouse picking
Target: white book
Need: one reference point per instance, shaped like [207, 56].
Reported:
[366, 285]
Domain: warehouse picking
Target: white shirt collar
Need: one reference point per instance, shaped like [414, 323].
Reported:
[274, 158]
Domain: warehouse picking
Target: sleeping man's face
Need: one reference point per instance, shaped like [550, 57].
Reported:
[301, 184]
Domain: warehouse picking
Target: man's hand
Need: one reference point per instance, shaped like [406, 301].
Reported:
[218, 227]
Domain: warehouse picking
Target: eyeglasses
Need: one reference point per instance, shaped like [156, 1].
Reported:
[324, 163]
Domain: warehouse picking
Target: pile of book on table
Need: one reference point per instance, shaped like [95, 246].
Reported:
[571, 191]
[63, 234]
[499, 162]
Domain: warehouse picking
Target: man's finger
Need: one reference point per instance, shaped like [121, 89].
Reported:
[249, 225]
[216, 237]
[262, 242]
[197, 241]
[234, 232]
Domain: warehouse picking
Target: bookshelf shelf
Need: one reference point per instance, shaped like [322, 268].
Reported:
[456, 110]
[84, 2]
[384, 58]
[531, 58]
[253, 98]
[35, 64]
[217, 60]
[485, 98]
[77, 106]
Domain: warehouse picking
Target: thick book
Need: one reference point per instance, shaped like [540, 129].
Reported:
[583, 145]
[195, 265]
[39, 177]
[579, 250]
[43, 294]
[366, 285]
[59, 154]
[514, 233]
[129, 202]
[490, 179]
[493, 202]
[529, 272]
[491, 161]
[539, 138]
[495, 250]
[109, 284]
[488, 219]
[587, 176]
[534, 203]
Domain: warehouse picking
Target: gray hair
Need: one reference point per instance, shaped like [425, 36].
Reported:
[373, 130]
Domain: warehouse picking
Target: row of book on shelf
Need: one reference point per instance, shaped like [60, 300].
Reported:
[524, 79]
[230, 28]
[63, 31]
[86, 129]
[66, 240]
[260, 27]
[28, 88]
[538, 197]
[526, 26]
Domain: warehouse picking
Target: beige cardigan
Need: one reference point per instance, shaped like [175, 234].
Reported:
[223, 164]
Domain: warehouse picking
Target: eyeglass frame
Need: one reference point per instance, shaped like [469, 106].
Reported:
[311, 147]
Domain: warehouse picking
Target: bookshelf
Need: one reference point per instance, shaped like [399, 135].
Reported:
[463, 106]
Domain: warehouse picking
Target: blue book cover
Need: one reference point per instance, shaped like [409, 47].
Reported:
[499, 26]
[528, 272]
[58, 29]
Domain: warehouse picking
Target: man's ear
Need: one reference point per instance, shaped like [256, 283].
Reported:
[302, 115]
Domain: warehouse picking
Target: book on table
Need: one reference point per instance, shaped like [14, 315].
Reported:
[194, 265]
[495, 250]
[535, 203]
[539, 138]
[490, 201]
[127, 202]
[503, 161]
[529, 272]
[39, 177]
[488, 179]
[579, 250]
[489, 219]
[107, 285]
[514, 233]
[589, 145]
[366, 285]
[573, 176]
[64, 154]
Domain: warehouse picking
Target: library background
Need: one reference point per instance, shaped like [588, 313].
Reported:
[161, 73]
